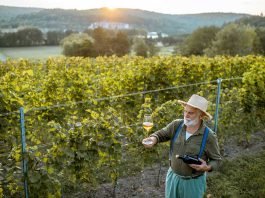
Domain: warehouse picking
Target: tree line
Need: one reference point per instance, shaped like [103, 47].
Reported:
[105, 42]
[233, 39]
[32, 37]
[90, 43]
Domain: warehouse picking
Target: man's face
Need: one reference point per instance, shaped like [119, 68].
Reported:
[191, 115]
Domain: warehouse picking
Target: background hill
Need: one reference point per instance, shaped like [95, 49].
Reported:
[59, 19]
[8, 12]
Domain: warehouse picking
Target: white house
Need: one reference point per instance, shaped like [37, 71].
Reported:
[155, 35]
[109, 25]
[152, 35]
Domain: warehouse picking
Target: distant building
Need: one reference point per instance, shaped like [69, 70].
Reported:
[109, 25]
[163, 35]
[152, 35]
[155, 35]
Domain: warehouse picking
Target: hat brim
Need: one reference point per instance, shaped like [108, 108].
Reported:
[183, 103]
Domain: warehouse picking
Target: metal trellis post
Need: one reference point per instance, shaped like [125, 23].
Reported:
[23, 142]
[219, 80]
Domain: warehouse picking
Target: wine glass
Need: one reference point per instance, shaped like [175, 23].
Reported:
[148, 122]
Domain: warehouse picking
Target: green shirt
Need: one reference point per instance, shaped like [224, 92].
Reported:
[191, 146]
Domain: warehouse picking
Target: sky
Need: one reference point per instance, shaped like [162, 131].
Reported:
[254, 7]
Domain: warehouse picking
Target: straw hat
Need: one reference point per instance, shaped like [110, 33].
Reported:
[197, 102]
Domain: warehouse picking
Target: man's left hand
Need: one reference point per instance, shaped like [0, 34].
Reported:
[203, 167]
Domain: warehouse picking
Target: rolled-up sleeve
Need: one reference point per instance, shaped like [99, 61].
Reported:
[167, 132]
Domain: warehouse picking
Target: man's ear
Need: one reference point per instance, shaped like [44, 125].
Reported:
[202, 115]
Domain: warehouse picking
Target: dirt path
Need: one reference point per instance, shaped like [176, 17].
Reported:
[233, 150]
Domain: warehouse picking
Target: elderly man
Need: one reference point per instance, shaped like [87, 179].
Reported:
[190, 139]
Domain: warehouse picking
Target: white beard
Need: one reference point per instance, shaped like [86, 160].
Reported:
[191, 123]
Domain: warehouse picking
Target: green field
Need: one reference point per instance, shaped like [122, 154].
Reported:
[44, 52]
[30, 52]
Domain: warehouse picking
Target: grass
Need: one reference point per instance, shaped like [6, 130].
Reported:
[41, 52]
[242, 178]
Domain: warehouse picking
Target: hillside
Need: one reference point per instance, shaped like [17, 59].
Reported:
[8, 12]
[255, 21]
[59, 19]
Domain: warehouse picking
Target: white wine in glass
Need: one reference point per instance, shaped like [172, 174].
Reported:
[148, 122]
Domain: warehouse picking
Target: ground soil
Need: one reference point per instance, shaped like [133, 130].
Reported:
[145, 184]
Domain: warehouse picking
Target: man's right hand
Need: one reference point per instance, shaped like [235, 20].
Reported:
[149, 142]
